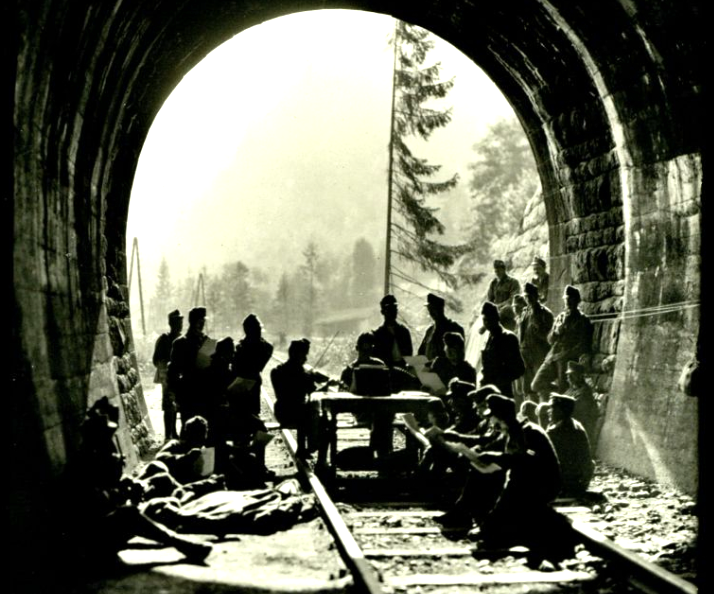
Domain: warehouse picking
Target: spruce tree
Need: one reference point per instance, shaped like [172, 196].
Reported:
[413, 225]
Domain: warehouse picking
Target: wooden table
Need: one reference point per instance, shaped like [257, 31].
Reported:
[332, 404]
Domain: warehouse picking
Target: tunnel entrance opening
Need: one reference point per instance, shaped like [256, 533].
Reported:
[610, 98]
[260, 161]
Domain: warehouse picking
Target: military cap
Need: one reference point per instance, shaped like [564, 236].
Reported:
[388, 300]
[252, 320]
[530, 289]
[499, 264]
[435, 300]
[301, 345]
[571, 291]
[575, 367]
[539, 260]
[175, 315]
[490, 309]
[502, 407]
[459, 388]
[565, 403]
[478, 396]
[196, 314]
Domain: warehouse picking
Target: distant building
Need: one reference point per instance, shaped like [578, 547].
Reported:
[346, 321]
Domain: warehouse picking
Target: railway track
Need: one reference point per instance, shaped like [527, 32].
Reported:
[391, 542]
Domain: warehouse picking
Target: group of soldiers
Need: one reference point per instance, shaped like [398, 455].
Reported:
[518, 432]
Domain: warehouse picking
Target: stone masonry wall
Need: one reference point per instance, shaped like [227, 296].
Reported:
[586, 238]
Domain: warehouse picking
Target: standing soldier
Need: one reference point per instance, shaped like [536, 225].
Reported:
[540, 278]
[432, 345]
[392, 340]
[570, 340]
[501, 292]
[162, 355]
[251, 356]
[501, 360]
[534, 329]
[189, 360]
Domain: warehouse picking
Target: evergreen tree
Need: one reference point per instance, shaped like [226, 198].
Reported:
[309, 271]
[413, 222]
[282, 305]
[503, 179]
[240, 295]
[364, 273]
[162, 301]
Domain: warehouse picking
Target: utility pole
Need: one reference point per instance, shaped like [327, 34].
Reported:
[135, 254]
[388, 246]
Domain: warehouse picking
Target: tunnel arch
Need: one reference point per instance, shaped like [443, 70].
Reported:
[610, 98]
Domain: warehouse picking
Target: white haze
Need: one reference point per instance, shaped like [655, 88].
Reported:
[280, 136]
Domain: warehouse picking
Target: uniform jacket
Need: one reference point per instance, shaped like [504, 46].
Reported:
[501, 361]
[385, 340]
[432, 346]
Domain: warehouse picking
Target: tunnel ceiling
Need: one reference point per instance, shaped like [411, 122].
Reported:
[113, 66]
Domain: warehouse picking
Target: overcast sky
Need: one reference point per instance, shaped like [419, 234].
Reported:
[280, 136]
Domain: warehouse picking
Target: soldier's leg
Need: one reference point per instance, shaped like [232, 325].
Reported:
[168, 405]
[128, 521]
[543, 381]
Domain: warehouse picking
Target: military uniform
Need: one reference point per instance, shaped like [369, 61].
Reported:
[185, 376]
[446, 370]
[250, 358]
[501, 361]
[542, 282]
[392, 343]
[432, 346]
[161, 358]
[533, 333]
[533, 481]
[501, 291]
[586, 409]
[570, 338]
[571, 443]
[293, 384]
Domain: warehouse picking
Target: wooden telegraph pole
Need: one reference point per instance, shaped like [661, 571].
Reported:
[135, 254]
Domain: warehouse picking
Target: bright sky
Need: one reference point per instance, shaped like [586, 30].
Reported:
[280, 135]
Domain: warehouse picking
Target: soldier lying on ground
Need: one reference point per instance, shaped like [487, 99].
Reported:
[109, 499]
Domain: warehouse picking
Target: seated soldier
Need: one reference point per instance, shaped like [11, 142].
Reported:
[293, 383]
[479, 491]
[463, 418]
[369, 376]
[181, 456]
[364, 348]
[522, 514]
[453, 363]
[532, 475]
[587, 410]
[571, 444]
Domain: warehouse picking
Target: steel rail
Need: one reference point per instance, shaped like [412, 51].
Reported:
[365, 577]
[642, 574]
